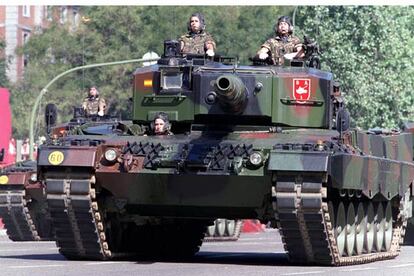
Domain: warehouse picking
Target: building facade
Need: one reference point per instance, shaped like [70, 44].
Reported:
[18, 23]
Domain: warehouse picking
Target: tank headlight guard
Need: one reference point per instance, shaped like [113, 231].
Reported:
[110, 155]
[256, 159]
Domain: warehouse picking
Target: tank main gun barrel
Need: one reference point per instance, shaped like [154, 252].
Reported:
[231, 93]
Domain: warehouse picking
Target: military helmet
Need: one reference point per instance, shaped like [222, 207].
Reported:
[163, 116]
[287, 19]
[200, 17]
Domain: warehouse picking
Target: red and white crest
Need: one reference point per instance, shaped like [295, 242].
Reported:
[301, 89]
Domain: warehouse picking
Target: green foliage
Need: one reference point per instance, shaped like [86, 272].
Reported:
[3, 65]
[370, 50]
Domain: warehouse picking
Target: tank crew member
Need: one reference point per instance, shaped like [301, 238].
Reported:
[337, 99]
[282, 43]
[197, 40]
[94, 104]
[161, 124]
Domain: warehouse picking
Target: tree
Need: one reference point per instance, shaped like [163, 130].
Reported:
[370, 50]
[3, 65]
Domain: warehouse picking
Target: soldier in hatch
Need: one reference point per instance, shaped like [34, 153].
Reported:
[94, 104]
[197, 40]
[282, 43]
[161, 124]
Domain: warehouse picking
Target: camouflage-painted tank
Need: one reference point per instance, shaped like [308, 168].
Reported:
[257, 142]
[22, 203]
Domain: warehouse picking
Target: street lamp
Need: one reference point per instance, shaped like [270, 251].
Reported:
[85, 20]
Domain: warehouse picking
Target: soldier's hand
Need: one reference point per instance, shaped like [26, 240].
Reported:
[263, 55]
[100, 113]
[290, 55]
[210, 53]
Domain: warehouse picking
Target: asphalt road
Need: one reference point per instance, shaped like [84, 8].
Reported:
[254, 254]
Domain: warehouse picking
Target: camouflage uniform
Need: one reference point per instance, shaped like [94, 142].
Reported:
[93, 105]
[196, 43]
[279, 46]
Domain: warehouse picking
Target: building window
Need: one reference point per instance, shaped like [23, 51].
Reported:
[25, 37]
[25, 60]
[75, 18]
[26, 11]
[63, 15]
[49, 13]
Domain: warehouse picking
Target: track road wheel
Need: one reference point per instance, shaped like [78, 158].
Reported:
[230, 227]
[379, 228]
[370, 233]
[220, 227]
[211, 229]
[350, 230]
[388, 227]
[340, 228]
[361, 229]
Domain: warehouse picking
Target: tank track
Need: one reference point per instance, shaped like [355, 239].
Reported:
[233, 237]
[16, 216]
[72, 204]
[79, 227]
[306, 223]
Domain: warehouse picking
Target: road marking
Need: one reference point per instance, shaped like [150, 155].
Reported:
[358, 269]
[27, 249]
[304, 273]
[401, 265]
[33, 242]
[256, 239]
[99, 263]
[35, 266]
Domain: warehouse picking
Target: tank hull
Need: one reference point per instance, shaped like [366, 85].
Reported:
[307, 184]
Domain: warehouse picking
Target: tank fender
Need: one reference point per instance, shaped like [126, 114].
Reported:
[371, 174]
[298, 161]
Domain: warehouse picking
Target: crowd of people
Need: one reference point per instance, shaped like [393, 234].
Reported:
[22, 153]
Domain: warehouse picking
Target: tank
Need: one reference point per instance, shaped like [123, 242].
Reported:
[23, 203]
[250, 142]
[22, 198]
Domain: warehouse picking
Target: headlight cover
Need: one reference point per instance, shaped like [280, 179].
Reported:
[33, 177]
[110, 155]
[256, 159]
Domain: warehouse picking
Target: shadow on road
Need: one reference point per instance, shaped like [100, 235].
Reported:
[236, 258]
[242, 258]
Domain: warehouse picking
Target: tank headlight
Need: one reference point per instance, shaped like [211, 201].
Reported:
[110, 155]
[256, 159]
[320, 145]
[33, 177]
